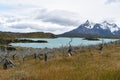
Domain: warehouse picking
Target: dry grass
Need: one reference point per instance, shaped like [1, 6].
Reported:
[83, 65]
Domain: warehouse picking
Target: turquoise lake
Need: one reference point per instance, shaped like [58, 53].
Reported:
[59, 42]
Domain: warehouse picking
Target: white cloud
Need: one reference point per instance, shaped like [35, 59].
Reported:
[31, 25]
[58, 17]
[112, 1]
[54, 15]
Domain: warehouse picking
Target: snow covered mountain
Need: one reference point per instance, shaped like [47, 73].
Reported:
[104, 28]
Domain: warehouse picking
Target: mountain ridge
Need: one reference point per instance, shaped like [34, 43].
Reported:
[89, 28]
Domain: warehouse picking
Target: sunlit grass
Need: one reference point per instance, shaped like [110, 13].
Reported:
[86, 64]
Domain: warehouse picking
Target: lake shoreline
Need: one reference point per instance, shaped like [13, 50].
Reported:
[61, 41]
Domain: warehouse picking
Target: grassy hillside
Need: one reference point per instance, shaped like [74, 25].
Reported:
[26, 35]
[8, 37]
[85, 64]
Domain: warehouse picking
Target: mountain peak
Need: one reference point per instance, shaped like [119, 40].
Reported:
[105, 22]
[87, 22]
[104, 28]
[112, 26]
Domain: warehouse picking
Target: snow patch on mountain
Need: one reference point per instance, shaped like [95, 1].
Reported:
[89, 24]
[104, 28]
[104, 25]
[111, 26]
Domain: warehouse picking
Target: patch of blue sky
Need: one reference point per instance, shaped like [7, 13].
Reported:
[6, 7]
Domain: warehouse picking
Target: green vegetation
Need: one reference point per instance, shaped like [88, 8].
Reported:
[26, 35]
[4, 41]
[90, 38]
[28, 41]
[85, 64]
[9, 37]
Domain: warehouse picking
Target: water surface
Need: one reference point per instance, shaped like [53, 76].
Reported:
[58, 42]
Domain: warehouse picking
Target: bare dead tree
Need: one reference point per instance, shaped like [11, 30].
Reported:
[5, 61]
[22, 55]
[45, 54]
[37, 53]
[13, 56]
[45, 57]
[35, 56]
[70, 48]
[101, 46]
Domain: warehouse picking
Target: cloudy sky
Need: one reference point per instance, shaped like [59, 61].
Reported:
[56, 16]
